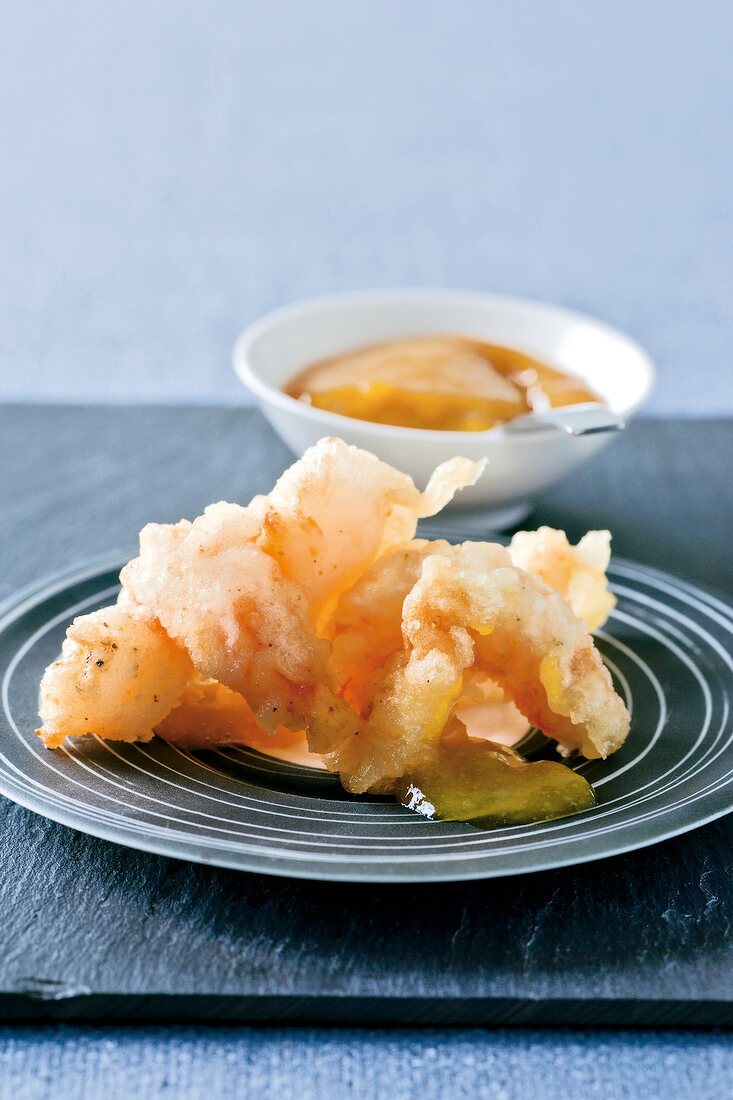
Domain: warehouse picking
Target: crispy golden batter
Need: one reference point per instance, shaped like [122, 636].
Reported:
[339, 508]
[243, 623]
[118, 676]
[366, 625]
[471, 609]
[315, 609]
[578, 573]
[242, 589]
[208, 715]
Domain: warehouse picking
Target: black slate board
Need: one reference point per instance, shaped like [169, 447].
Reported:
[89, 930]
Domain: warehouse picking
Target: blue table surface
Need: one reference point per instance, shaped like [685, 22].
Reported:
[172, 170]
[313, 1064]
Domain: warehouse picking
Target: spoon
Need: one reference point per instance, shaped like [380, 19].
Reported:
[586, 419]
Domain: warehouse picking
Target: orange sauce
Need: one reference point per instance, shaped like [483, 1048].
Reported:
[450, 383]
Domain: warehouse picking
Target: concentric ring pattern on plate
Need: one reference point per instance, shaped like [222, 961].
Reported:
[668, 645]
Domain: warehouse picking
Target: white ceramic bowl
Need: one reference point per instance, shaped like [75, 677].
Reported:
[271, 351]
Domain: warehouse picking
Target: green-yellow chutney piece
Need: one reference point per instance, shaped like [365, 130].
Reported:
[491, 786]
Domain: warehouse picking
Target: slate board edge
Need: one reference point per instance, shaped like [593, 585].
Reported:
[370, 1011]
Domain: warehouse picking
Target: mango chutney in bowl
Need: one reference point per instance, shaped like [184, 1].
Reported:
[443, 383]
[469, 374]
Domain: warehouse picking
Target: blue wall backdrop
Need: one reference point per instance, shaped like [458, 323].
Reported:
[173, 169]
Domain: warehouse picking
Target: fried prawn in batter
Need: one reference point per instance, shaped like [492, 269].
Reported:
[208, 715]
[471, 609]
[338, 509]
[228, 605]
[238, 593]
[366, 626]
[242, 589]
[314, 611]
[578, 573]
[118, 677]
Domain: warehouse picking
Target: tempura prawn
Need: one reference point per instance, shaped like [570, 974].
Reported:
[578, 573]
[118, 677]
[472, 609]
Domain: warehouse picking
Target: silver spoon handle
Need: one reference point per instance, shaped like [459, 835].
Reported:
[574, 420]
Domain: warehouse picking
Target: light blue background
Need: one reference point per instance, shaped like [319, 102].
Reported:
[172, 169]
